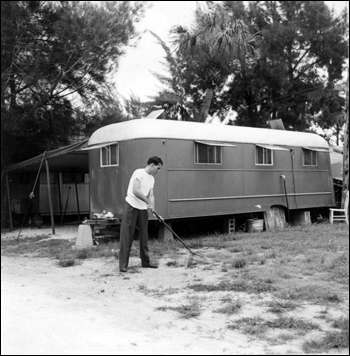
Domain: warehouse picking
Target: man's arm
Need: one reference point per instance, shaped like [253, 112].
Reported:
[136, 189]
[151, 205]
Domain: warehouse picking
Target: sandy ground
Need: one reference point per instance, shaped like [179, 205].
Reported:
[93, 309]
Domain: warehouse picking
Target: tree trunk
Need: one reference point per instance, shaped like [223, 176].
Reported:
[209, 93]
[346, 148]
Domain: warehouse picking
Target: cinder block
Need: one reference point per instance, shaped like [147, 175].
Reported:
[84, 236]
[229, 225]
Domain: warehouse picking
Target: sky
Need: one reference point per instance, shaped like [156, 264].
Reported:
[134, 75]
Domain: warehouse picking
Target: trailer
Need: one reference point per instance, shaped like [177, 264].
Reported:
[210, 170]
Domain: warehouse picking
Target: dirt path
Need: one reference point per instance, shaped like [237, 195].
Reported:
[50, 310]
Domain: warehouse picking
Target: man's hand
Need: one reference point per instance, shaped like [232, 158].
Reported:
[151, 208]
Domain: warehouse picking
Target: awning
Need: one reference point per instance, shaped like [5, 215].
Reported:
[215, 143]
[271, 147]
[64, 159]
[99, 146]
[317, 149]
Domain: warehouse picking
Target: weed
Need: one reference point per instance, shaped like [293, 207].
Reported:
[134, 269]
[81, 254]
[190, 263]
[157, 292]
[239, 263]
[312, 291]
[240, 285]
[173, 263]
[69, 262]
[250, 325]
[187, 311]
[332, 339]
[230, 308]
[290, 322]
[279, 307]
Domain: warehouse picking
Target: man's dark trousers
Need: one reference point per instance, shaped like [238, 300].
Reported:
[131, 218]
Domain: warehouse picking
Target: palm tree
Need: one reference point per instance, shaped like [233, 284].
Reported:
[173, 99]
[218, 44]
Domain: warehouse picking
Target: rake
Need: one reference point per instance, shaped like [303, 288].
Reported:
[177, 236]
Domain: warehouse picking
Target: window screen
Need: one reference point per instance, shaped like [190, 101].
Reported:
[310, 157]
[110, 155]
[263, 156]
[207, 154]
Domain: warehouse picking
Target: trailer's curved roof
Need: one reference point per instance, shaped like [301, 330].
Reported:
[185, 130]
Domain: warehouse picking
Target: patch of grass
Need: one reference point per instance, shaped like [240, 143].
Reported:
[38, 246]
[191, 262]
[239, 263]
[172, 263]
[250, 325]
[279, 307]
[187, 311]
[258, 326]
[312, 291]
[230, 308]
[332, 339]
[290, 322]
[81, 254]
[157, 292]
[42, 246]
[68, 262]
[240, 285]
[134, 269]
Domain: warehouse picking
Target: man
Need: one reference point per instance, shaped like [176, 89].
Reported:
[139, 199]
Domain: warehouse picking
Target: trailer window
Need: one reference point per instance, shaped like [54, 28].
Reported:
[110, 155]
[207, 154]
[310, 157]
[263, 156]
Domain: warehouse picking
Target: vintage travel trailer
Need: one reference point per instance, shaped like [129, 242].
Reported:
[210, 170]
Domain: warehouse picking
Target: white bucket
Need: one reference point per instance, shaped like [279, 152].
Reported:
[255, 225]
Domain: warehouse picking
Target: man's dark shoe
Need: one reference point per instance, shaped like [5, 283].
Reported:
[149, 266]
[122, 269]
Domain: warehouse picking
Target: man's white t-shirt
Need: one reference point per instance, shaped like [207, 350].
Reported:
[147, 183]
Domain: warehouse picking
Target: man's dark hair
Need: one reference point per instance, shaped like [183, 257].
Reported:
[155, 160]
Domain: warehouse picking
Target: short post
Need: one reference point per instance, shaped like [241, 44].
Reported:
[84, 235]
[275, 218]
[301, 218]
[164, 234]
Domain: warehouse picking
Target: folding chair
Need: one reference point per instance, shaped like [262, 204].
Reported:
[341, 214]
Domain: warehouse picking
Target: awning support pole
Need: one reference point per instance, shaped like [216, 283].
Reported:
[77, 197]
[9, 199]
[60, 196]
[49, 193]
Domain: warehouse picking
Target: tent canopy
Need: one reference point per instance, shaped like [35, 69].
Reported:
[336, 157]
[64, 159]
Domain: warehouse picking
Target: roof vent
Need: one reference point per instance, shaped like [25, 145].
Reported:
[155, 114]
[276, 124]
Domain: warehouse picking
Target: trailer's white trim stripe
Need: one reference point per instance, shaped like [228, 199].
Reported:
[99, 146]
[248, 196]
[216, 143]
[316, 149]
[311, 170]
[272, 147]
